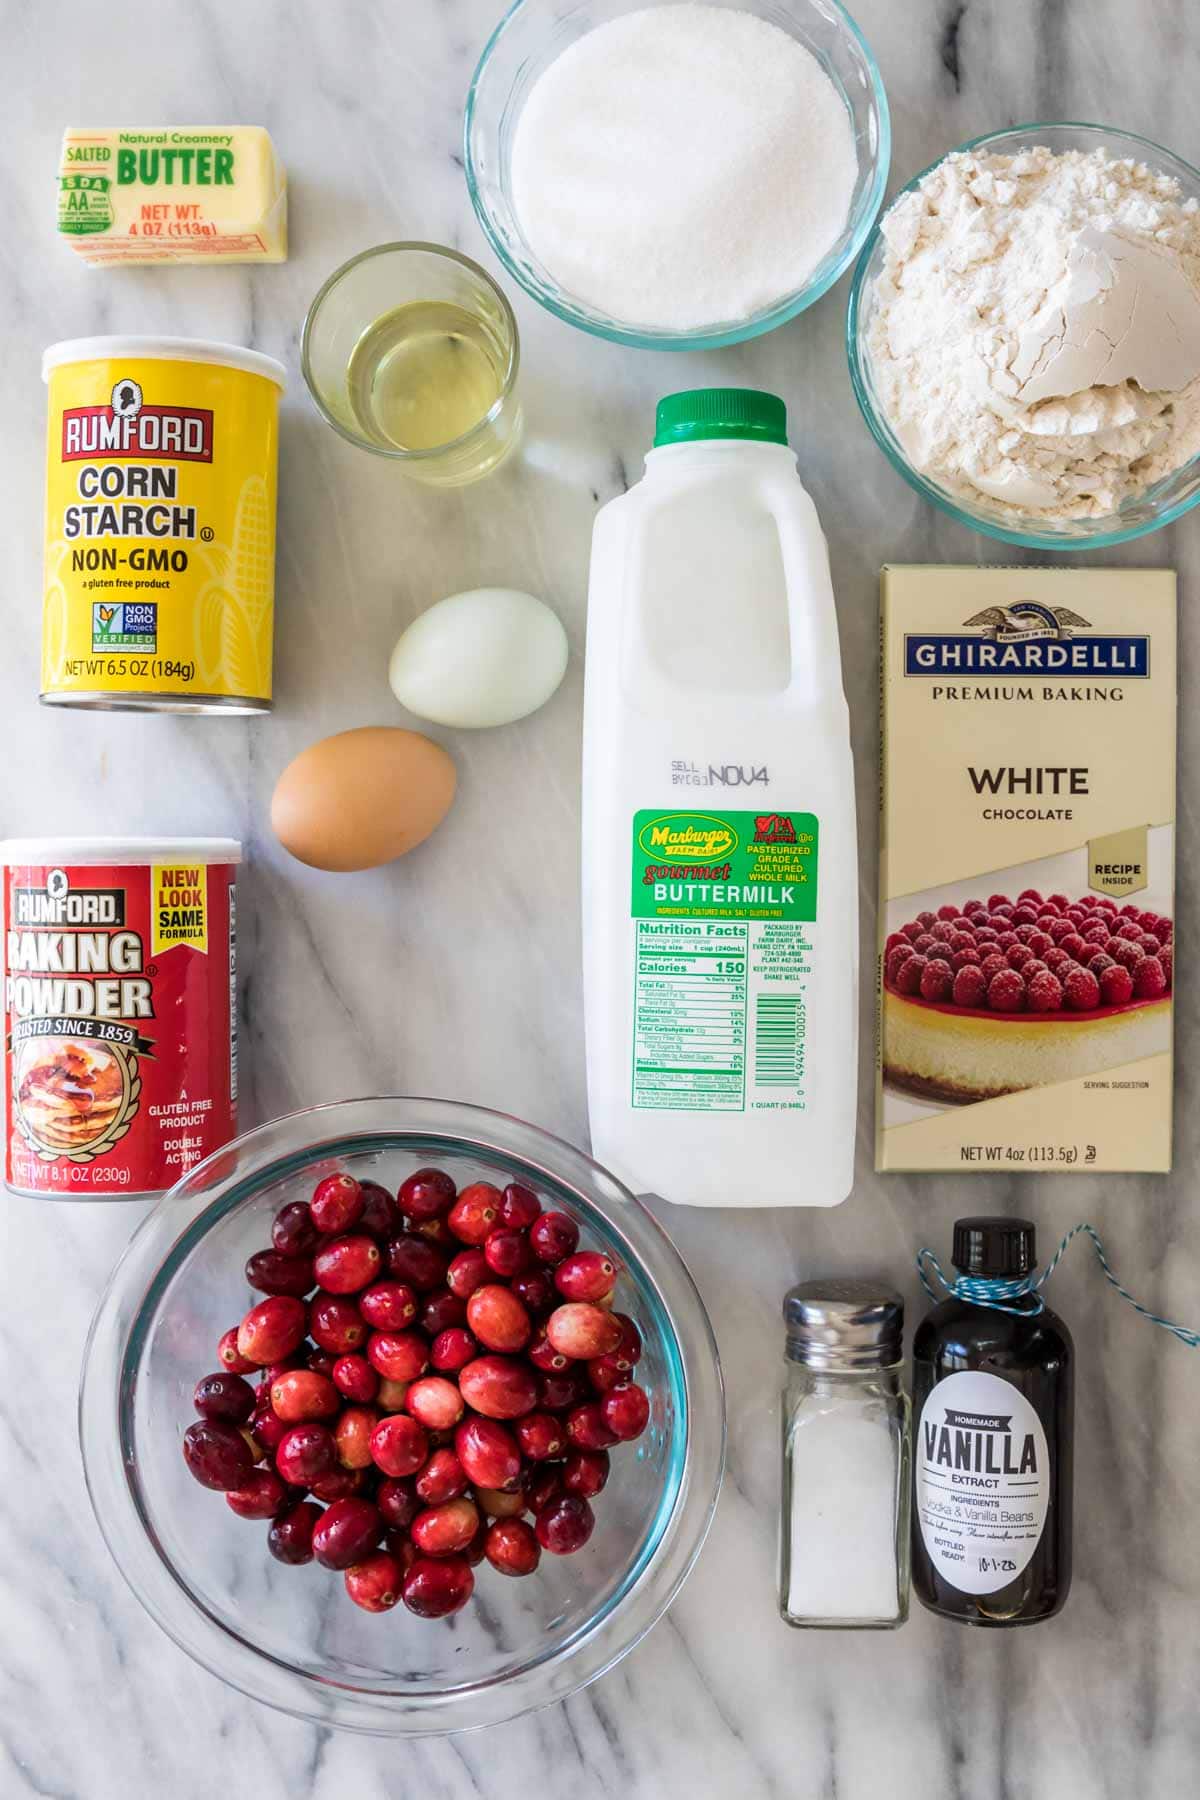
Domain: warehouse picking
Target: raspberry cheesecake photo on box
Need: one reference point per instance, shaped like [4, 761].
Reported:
[1018, 987]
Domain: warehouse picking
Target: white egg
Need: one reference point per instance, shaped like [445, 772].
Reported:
[481, 658]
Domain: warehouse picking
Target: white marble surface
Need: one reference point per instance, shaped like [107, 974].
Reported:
[351, 987]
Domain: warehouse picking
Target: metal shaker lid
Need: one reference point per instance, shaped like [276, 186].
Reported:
[844, 1325]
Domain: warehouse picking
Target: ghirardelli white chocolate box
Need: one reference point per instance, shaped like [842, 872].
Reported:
[1027, 824]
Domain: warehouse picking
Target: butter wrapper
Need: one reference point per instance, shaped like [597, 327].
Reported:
[1026, 973]
[180, 194]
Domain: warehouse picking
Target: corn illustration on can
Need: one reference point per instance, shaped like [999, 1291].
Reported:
[160, 525]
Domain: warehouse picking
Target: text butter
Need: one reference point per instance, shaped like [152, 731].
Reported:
[194, 194]
[1027, 943]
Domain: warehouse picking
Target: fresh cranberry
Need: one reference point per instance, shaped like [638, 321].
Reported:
[475, 1212]
[488, 1452]
[380, 1214]
[585, 1472]
[349, 1531]
[401, 1546]
[541, 1436]
[467, 1271]
[272, 1329]
[452, 1350]
[336, 1324]
[443, 1478]
[321, 1362]
[436, 1232]
[511, 1547]
[229, 1354]
[375, 1582]
[339, 1484]
[587, 1427]
[398, 1501]
[427, 1194]
[217, 1454]
[306, 1451]
[352, 1435]
[414, 1259]
[269, 1430]
[519, 1206]
[293, 1232]
[336, 1205]
[400, 1355]
[500, 1503]
[272, 1273]
[388, 1305]
[582, 1330]
[498, 1319]
[626, 1411]
[542, 1354]
[608, 1372]
[399, 1445]
[224, 1396]
[441, 1311]
[445, 1530]
[346, 1264]
[631, 1339]
[552, 1236]
[290, 1537]
[260, 1496]
[436, 1402]
[586, 1276]
[565, 1525]
[432, 1588]
[507, 1251]
[542, 1483]
[391, 1395]
[302, 1394]
[355, 1379]
[536, 1291]
[498, 1387]
[563, 1388]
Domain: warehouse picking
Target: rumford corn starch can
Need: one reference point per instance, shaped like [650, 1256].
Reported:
[160, 525]
[120, 1012]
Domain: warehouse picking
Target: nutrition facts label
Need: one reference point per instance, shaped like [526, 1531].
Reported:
[690, 1015]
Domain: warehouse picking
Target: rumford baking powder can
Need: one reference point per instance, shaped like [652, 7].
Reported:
[120, 1012]
[160, 525]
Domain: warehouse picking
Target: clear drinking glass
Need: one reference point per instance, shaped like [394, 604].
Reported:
[844, 1552]
[411, 351]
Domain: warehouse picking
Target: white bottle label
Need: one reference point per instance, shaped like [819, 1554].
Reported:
[983, 1481]
[724, 908]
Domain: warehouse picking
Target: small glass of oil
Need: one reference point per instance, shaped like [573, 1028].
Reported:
[411, 350]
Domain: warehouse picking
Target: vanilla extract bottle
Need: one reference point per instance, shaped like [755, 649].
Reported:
[993, 1403]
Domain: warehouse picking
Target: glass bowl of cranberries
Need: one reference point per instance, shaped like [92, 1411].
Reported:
[402, 1416]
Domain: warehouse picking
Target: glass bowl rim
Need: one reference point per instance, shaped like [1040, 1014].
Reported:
[958, 510]
[701, 337]
[511, 371]
[135, 1281]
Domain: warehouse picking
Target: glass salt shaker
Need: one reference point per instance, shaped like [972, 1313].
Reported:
[844, 1527]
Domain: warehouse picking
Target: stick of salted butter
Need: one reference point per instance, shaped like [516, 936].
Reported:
[1026, 972]
[180, 194]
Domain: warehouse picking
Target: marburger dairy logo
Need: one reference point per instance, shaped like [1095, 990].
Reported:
[1027, 638]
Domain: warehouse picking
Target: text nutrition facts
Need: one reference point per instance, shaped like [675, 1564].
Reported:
[690, 1015]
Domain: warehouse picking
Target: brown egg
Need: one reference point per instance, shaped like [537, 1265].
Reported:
[362, 798]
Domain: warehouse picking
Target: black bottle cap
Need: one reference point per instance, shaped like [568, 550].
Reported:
[995, 1247]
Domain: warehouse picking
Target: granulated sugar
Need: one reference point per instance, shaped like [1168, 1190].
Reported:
[683, 166]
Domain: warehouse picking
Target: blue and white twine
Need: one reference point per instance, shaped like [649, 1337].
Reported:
[996, 1292]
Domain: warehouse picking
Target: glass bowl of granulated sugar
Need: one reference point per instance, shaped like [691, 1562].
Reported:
[1024, 335]
[677, 176]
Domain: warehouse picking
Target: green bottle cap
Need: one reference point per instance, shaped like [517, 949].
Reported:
[720, 413]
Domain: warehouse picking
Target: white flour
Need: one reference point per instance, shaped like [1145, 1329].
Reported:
[1034, 336]
[683, 166]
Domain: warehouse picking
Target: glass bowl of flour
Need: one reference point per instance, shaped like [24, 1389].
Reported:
[676, 174]
[1024, 335]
